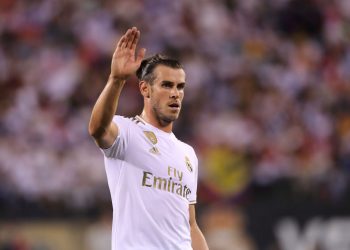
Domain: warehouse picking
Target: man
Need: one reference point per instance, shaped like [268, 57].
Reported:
[152, 176]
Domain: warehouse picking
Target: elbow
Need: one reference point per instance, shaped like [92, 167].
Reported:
[95, 131]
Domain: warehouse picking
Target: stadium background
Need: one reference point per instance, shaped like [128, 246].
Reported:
[266, 107]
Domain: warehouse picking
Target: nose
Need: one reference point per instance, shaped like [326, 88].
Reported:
[175, 94]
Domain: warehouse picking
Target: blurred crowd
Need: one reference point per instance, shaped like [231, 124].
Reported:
[267, 95]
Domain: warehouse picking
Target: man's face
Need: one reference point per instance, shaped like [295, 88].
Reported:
[167, 93]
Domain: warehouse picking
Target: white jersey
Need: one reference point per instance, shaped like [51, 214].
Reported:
[152, 177]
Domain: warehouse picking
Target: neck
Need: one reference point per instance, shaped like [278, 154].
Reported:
[152, 119]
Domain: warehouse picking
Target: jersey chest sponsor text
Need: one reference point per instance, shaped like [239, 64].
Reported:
[172, 184]
[154, 152]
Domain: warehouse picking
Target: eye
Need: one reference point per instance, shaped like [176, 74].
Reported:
[181, 86]
[167, 84]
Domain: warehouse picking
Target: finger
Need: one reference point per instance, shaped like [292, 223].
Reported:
[131, 37]
[121, 42]
[140, 55]
[135, 41]
[127, 38]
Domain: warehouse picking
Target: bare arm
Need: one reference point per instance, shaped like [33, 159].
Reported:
[198, 240]
[124, 63]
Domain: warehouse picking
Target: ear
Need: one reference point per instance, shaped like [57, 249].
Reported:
[144, 89]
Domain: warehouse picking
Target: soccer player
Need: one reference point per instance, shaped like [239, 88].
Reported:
[152, 176]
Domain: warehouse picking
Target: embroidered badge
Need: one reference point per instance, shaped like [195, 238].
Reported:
[151, 136]
[188, 164]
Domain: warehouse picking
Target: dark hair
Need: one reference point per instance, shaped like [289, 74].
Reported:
[145, 71]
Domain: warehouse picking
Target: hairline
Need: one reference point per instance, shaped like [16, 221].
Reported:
[150, 77]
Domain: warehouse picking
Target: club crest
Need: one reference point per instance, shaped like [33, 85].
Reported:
[188, 164]
[151, 136]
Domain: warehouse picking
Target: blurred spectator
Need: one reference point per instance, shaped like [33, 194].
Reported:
[267, 97]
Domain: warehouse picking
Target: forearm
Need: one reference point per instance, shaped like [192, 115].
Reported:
[198, 240]
[105, 107]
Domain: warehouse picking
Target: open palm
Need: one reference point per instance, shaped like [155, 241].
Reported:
[124, 61]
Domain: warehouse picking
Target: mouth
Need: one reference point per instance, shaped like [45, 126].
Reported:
[174, 106]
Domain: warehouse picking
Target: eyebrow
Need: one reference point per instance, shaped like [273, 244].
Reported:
[170, 82]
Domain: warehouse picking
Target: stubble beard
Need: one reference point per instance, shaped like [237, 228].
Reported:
[163, 119]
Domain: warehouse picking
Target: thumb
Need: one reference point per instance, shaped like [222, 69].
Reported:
[140, 55]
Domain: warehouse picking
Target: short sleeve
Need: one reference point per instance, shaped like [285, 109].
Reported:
[118, 148]
[193, 195]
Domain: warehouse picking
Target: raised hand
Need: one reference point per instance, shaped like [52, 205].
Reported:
[124, 61]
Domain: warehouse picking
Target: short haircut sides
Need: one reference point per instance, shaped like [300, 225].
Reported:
[145, 71]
